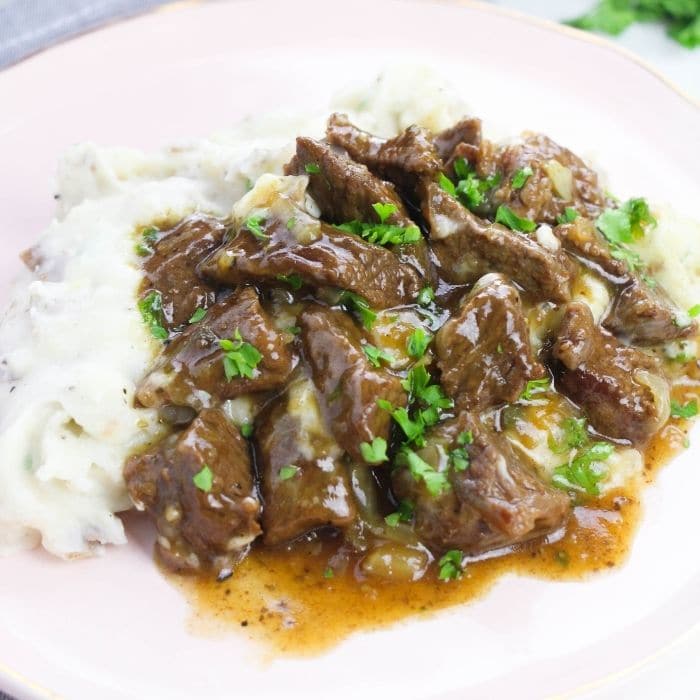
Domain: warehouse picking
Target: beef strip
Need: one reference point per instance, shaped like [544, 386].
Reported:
[467, 247]
[198, 530]
[405, 160]
[544, 196]
[321, 254]
[345, 191]
[347, 382]
[496, 502]
[484, 351]
[190, 370]
[459, 141]
[170, 269]
[640, 313]
[304, 481]
[622, 390]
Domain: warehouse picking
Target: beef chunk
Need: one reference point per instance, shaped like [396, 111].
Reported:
[348, 384]
[190, 371]
[559, 179]
[496, 502]
[622, 390]
[305, 484]
[459, 141]
[484, 351]
[467, 247]
[199, 528]
[405, 159]
[640, 313]
[288, 240]
[343, 189]
[170, 269]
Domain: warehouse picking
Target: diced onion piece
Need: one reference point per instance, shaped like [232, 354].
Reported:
[395, 562]
[562, 179]
[660, 389]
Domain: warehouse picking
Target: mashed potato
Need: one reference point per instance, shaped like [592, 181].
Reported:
[72, 343]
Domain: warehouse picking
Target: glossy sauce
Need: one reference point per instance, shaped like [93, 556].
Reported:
[283, 599]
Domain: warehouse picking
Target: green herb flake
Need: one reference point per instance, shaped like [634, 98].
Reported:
[376, 356]
[382, 234]
[412, 429]
[573, 435]
[425, 297]
[534, 387]
[686, 410]
[436, 482]
[694, 311]
[403, 514]
[520, 177]
[312, 168]
[254, 225]
[328, 572]
[240, 357]
[198, 315]
[354, 302]
[293, 280]
[151, 309]
[562, 558]
[418, 343]
[459, 459]
[149, 236]
[570, 214]
[374, 452]
[384, 211]
[246, 430]
[450, 565]
[204, 479]
[294, 330]
[579, 474]
[506, 216]
[288, 472]
[446, 184]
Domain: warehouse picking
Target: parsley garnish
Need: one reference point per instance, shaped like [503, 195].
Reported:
[374, 452]
[520, 177]
[579, 475]
[574, 435]
[240, 358]
[149, 236]
[204, 479]
[535, 386]
[293, 280]
[570, 214]
[328, 573]
[686, 410]
[254, 225]
[403, 514]
[198, 315]
[426, 296]
[694, 311]
[294, 330]
[506, 216]
[312, 168]
[623, 226]
[384, 211]
[459, 459]
[246, 430]
[470, 190]
[151, 308]
[418, 343]
[382, 234]
[354, 302]
[412, 429]
[436, 482]
[287, 472]
[431, 396]
[447, 184]
[450, 565]
[291, 222]
[375, 355]
[465, 438]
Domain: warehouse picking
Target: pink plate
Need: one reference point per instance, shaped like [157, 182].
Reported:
[113, 628]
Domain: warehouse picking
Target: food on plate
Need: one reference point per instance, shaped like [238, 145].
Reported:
[424, 347]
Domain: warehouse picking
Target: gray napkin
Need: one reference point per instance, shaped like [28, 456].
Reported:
[27, 26]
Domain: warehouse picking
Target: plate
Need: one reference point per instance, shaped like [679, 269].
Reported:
[113, 627]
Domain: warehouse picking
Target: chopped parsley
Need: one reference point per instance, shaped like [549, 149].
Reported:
[573, 435]
[465, 438]
[246, 430]
[412, 429]
[312, 168]
[520, 177]
[694, 311]
[534, 387]
[418, 343]
[149, 236]
[382, 234]
[240, 358]
[579, 473]
[288, 472]
[328, 573]
[151, 308]
[291, 222]
[686, 410]
[198, 315]
[570, 214]
[506, 216]
[436, 482]
[403, 514]
[294, 330]
[447, 184]
[204, 479]
[426, 296]
[354, 302]
[470, 189]
[384, 211]
[430, 396]
[450, 565]
[293, 280]
[374, 452]
[254, 225]
[459, 459]
[375, 355]
[562, 557]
